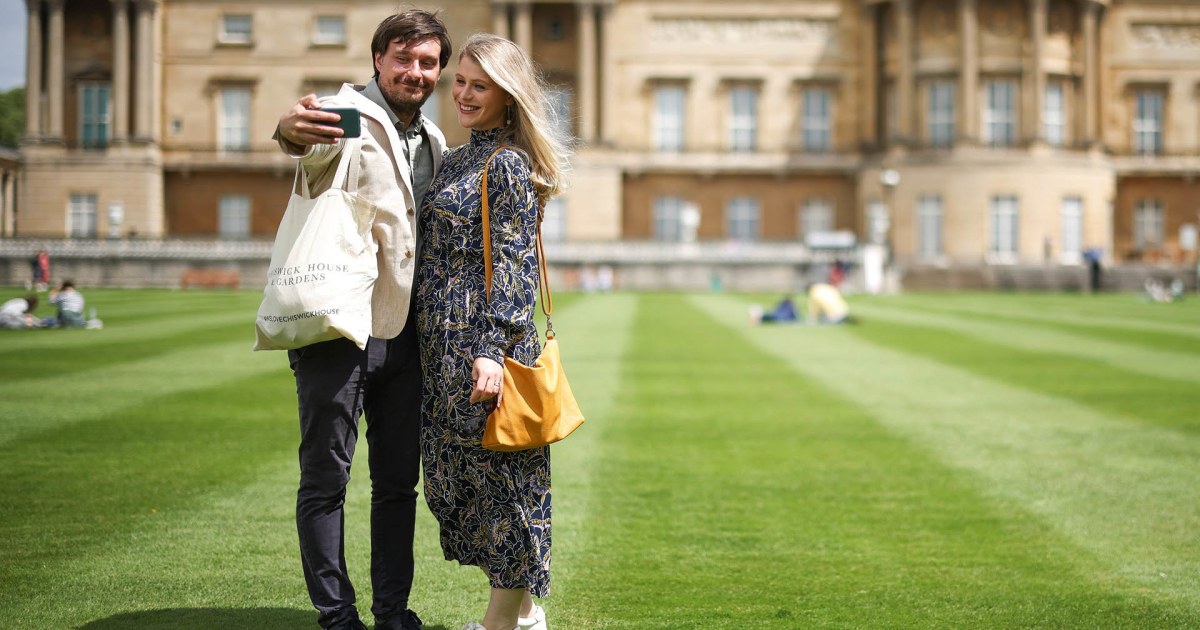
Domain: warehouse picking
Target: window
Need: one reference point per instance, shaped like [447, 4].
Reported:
[878, 221]
[1148, 224]
[667, 212]
[560, 104]
[1054, 116]
[816, 216]
[816, 129]
[741, 218]
[93, 115]
[1004, 226]
[1072, 229]
[941, 113]
[81, 215]
[929, 227]
[554, 221]
[669, 102]
[236, 29]
[1148, 122]
[330, 30]
[326, 88]
[234, 126]
[1000, 113]
[743, 119]
[234, 217]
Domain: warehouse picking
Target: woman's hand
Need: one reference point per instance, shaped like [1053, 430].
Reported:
[489, 379]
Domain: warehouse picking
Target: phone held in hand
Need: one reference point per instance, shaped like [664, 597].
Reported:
[350, 124]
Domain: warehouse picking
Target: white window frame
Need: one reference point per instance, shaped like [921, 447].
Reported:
[743, 118]
[1054, 114]
[236, 29]
[670, 118]
[668, 224]
[816, 215]
[929, 228]
[743, 220]
[1071, 237]
[1000, 113]
[329, 30]
[940, 119]
[233, 125]
[88, 118]
[1149, 108]
[554, 221]
[1148, 224]
[82, 211]
[234, 217]
[1004, 226]
[816, 123]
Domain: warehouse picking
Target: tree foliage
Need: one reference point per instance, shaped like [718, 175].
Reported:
[12, 117]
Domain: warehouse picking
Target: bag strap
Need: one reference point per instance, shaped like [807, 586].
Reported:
[345, 177]
[544, 279]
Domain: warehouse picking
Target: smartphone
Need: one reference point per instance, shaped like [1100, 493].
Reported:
[350, 124]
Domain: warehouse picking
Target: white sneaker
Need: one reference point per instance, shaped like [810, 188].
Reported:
[535, 621]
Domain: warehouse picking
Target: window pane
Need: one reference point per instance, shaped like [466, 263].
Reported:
[554, 221]
[669, 101]
[234, 217]
[1000, 113]
[741, 217]
[81, 215]
[560, 104]
[1147, 123]
[1054, 118]
[743, 120]
[93, 114]
[1004, 225]
[1148, 223]
[929, 227]
[941, 113]
[816, 216]
[235, 119]
[666, 218]
[1072, 227]
[331, 30]
[816, 125]
[236, 29]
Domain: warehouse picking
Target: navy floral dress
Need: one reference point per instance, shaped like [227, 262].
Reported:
[493, 507]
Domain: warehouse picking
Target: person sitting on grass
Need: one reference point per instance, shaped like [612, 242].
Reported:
[826, 305]
[70, 305]
[17, 313]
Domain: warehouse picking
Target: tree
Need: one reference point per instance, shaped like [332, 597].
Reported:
[12, 117]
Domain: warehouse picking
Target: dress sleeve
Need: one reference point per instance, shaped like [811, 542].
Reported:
[513, 215]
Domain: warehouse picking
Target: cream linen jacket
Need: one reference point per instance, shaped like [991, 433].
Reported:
[384, 180]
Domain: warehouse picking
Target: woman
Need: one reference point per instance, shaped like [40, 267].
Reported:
[493, 507]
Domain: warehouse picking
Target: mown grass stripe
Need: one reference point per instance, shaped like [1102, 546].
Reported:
[1180, 365]
[1123, 491]
[56, 400]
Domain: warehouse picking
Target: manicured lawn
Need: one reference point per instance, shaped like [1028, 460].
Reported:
[953, 461]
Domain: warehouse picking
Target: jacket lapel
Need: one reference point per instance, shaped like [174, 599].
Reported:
[373, 111]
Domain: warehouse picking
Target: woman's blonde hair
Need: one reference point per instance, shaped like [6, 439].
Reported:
[534, 127]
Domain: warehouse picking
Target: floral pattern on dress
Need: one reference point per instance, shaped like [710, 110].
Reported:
[493, 508]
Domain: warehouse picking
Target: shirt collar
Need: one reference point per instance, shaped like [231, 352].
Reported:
[375, 95]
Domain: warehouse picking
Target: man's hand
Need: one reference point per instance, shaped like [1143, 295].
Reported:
[305, 124]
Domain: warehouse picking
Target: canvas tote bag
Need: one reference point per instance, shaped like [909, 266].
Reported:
[323, 264]
[538, 407]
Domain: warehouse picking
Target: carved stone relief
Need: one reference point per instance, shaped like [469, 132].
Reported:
[936, 18]
[743, 30]
[1167, 36]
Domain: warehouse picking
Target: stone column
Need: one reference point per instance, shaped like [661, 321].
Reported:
[500, 19]
[55, 80]
[870, 75]
[587, 71]
[968, 79]
[120, 76]
[905, 87]
[1036, 79]
[33, 70]
[608, 65]
[523, 26]
[143, 114]
[1091, 73]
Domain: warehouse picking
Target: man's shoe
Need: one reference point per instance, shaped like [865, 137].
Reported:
[535, 621]
[407, 620]
[355, 624]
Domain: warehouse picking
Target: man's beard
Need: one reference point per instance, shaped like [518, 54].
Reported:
[401, 101]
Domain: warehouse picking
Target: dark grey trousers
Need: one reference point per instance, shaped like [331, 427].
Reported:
[336, 383]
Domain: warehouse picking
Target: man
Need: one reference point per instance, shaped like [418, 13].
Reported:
[70, 305]
[335, 380]
[826, 305]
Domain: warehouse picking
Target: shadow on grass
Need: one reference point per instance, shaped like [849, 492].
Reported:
[209, 618]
